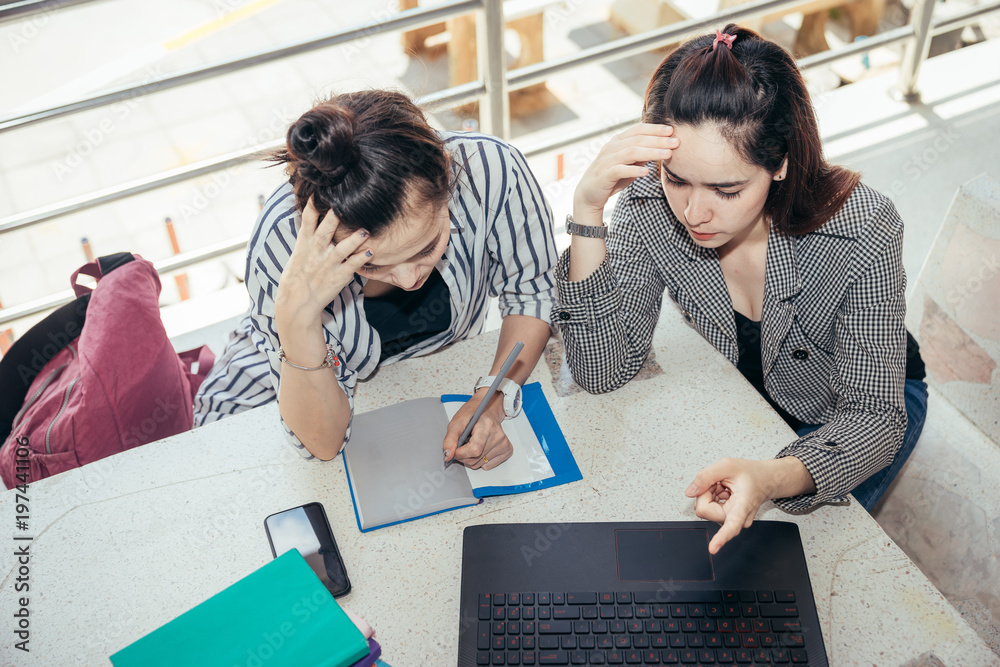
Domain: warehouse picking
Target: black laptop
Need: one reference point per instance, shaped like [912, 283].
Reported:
[636, 594]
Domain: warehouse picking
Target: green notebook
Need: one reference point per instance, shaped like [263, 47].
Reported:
[279, 615]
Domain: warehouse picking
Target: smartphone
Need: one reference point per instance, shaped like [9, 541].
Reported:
[307, 529]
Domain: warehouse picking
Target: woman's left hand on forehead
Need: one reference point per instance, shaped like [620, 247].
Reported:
[620, 162]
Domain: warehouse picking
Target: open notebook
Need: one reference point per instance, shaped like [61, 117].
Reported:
[396, 471]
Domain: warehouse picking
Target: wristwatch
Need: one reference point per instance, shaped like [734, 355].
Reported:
[588, 231]
[511, 394]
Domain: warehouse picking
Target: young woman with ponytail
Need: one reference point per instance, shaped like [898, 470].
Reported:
[789, 266]
[385, 243]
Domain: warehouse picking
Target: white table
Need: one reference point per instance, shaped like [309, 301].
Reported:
[124, 545]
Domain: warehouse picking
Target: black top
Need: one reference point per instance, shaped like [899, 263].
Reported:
[403, 319]
[914, 362]
[750, 364]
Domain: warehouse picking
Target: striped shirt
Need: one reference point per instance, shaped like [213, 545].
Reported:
[501, 245]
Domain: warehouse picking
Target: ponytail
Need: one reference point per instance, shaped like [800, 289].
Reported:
[752, 91]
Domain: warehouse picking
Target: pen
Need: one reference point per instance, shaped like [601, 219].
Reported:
[501, 374]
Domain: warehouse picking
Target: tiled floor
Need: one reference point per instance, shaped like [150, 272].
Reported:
[945, 502]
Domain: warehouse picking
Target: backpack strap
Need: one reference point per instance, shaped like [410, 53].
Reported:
[205, 359]
[32, 351]
[101, 266]
[109, 263]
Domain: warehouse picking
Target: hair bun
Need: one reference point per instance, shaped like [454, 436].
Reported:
[322, 143]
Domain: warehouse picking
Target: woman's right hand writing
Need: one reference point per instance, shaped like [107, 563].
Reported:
[621, 161]
[318, 269]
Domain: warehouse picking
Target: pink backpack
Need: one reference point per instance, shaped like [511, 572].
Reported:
[96, 377]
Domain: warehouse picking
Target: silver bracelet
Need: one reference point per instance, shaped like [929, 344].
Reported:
[586, 231]
[330, 359]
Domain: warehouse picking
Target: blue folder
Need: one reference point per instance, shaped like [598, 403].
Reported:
[546, 429]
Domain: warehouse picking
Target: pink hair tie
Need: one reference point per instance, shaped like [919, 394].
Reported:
[722, 37]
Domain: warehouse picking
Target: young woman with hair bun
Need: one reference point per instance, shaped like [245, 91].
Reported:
[385, 243]
[788, 265]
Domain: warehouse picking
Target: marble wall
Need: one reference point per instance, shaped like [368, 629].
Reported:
[943, 509]
[954, 310]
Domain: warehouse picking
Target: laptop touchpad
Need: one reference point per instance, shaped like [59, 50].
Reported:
[662, 555]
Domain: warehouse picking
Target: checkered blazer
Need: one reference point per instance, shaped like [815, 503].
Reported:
[833, 341]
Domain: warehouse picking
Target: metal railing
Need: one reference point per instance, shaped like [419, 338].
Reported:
[491, 91]
[12, 11]
[409, 19]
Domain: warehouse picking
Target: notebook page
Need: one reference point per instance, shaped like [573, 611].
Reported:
[527, 464]
[395, 462]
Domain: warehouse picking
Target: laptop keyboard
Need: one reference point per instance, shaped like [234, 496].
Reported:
[715, 628]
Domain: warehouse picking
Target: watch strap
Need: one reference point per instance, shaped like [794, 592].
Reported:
[587, 231]
[511, 393]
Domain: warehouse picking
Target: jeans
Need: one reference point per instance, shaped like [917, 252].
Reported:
[870, 491]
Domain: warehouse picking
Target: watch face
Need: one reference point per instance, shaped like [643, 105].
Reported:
[515, 404]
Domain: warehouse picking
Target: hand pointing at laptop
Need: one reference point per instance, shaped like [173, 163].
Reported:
[730, 491]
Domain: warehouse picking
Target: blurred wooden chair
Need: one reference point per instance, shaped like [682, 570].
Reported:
[524, 17]
[635, 16]
[864, 17]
